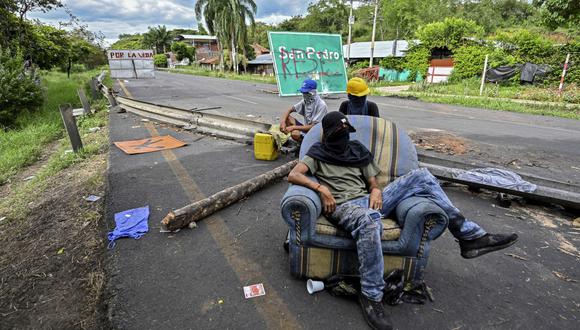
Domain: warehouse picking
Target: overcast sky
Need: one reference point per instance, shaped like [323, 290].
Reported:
[113, 17]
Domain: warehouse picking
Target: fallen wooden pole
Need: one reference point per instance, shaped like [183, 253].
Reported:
[194, 212]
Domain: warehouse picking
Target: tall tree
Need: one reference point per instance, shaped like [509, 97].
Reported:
[228, 19]
[158, 38]
[559, 13]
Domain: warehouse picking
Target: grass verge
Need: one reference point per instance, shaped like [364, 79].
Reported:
[22, 146]
[226, 75]
[52, 252]
[470, 87]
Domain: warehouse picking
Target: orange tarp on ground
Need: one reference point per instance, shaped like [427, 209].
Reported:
[151, 144]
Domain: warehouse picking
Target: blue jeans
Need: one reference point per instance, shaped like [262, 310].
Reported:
[365, 224]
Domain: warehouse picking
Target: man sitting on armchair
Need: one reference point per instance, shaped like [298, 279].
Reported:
[352, 200]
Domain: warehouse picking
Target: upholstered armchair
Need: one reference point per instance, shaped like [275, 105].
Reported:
[318, 249]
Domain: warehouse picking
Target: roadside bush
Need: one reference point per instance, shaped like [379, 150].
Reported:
[417, 61]
[525, 46]
[451, 33]
[360, 65]
[160, 60]
[468, 62]
[394, 63]
[18, 91]
[182, 51]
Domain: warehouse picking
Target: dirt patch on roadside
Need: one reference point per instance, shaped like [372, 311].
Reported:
[438, 141]
[52, 262]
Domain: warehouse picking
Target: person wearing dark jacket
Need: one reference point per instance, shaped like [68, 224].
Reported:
[357, 103]
[352, 200]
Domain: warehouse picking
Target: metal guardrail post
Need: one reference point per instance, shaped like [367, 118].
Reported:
[70, 123]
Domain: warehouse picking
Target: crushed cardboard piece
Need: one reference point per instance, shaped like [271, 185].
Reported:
[152, 144]
[254, 290]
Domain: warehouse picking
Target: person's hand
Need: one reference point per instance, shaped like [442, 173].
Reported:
[328, 201]
[376, 199]
[283, 127]
[289, 129]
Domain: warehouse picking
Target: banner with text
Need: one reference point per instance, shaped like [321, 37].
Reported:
[299, 56]
[127, 64]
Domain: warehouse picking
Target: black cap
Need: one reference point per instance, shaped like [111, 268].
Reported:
[333, 121]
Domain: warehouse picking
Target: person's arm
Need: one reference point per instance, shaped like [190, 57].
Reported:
[303, 128]
[376, 196]
[284, 118]
[373, 109]
[298, 176]
[343, 107]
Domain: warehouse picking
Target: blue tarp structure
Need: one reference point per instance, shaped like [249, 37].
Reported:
[394, 75]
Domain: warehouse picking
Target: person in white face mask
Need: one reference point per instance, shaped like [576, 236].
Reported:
[311, 107]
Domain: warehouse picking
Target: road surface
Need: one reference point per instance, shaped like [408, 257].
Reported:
[194, 279]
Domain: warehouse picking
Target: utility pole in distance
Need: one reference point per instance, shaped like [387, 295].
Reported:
[374, 30]
[350, 23]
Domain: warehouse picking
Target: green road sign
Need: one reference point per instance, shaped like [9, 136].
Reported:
[299, 56]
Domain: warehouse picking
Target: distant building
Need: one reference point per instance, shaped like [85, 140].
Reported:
[262, 64]
[205, 46]
[440, 63]
[259, 49]
[360, 51]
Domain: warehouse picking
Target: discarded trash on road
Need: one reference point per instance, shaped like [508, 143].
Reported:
[498, 178]
[314, 286]
[152, 144]
[254, 290]
[131, 223]
[92, 198]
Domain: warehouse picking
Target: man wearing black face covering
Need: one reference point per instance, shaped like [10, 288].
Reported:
[352, 200]
[357, 104]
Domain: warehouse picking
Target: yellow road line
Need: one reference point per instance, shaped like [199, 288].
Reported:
[124, 88]
[273, 309]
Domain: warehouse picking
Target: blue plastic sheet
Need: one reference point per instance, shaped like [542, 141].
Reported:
[131, 223]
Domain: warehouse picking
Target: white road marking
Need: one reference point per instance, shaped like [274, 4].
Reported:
[240, 99]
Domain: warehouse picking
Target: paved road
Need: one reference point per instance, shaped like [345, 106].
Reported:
[553, 143]
[194, 279]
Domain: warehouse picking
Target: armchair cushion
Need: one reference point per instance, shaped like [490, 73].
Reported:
[391, 230]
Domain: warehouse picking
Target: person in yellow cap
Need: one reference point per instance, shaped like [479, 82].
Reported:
[357, 103]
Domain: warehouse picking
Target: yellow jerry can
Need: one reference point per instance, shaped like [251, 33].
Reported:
[265, 147]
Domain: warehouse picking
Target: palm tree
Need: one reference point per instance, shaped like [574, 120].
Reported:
[227, 19]
[157, 38]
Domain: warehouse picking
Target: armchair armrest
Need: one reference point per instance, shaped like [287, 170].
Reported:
[300, 208]
[421, 220]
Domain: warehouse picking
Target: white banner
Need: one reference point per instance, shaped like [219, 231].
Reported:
[126, 64]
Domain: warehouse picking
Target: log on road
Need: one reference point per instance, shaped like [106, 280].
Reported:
[194, 212]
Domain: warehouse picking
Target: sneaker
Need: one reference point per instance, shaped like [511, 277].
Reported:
[485, 244]
[374, 314]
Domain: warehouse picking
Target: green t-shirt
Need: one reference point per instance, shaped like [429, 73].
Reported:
[345, 183]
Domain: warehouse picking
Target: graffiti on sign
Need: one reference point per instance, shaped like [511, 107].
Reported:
[131, 63]
[299, 56]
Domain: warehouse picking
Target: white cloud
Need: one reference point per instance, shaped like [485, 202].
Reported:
[273, 19]
[113, 17]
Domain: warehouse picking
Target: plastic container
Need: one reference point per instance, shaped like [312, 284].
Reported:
[265, 147]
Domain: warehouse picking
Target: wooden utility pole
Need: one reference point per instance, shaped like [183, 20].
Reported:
[194, 212]
[373, 36]
[483, 76]
[350, 23]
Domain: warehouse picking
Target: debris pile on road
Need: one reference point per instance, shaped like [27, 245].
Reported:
[439, 142]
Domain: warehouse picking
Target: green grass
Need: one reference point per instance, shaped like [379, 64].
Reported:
[15, 206]
[547, 92]
[544, 110]
[196, 71]
[22, 146]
